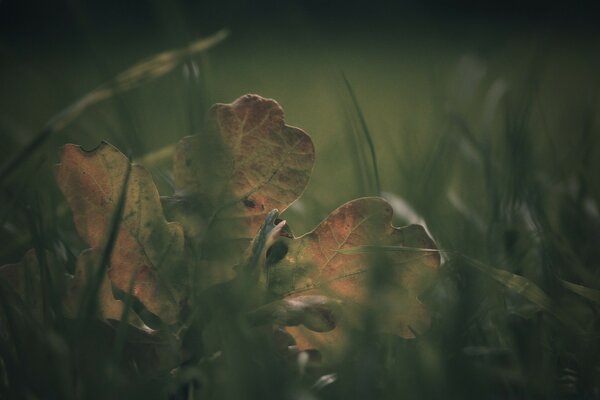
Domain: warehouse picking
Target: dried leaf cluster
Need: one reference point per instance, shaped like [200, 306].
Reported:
[217, 246]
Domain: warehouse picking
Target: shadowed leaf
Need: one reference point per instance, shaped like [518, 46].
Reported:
[247, 163]
[314, 265]
[109, 307]
[147, 247]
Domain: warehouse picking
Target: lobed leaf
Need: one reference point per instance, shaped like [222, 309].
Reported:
[387, 289]
[227, 179]
[147, 247]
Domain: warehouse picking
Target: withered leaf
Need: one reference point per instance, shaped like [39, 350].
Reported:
[109, 307]
[147, 249]
[386, 290]
[228, 178]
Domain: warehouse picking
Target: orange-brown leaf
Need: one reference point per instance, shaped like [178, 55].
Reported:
[108, 307]
[387, 288]
[147, 247]
[227, 180]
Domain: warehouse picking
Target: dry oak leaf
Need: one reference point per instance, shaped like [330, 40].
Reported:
[227, 179]
[108, 307]
[148, 250]
[385, 290]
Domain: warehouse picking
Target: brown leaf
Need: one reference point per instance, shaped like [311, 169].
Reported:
[385, 290]
[151, 351]
[109, 307]
[227, 180]
[147, 248]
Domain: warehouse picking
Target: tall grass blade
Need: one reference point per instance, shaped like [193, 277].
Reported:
[135, 76]
[583, 291]
[367, 135]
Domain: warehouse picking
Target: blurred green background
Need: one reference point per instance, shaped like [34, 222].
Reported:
[479, 119]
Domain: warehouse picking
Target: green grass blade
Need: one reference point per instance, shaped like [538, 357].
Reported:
[515, 283]
[133, 77]
[365, 130]
[90, 296]
[583, 291]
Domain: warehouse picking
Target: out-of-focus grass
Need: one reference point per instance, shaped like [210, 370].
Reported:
[489, 137]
